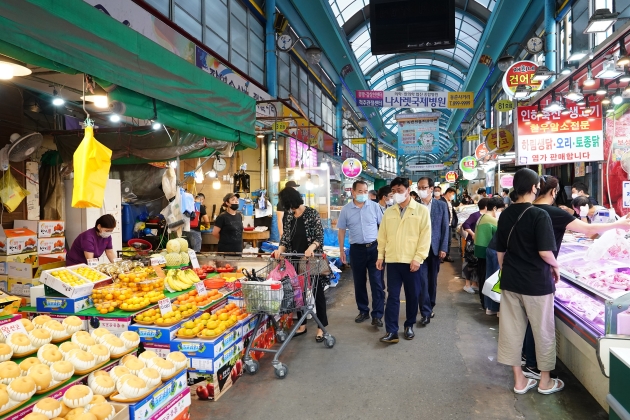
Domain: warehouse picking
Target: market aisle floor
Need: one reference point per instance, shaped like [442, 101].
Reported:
[449, 371]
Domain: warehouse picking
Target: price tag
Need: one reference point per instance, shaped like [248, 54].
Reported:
[193, 259]
[13, 327]
[117, 260]
[158, 260]
[165, 306]
[92, 262]
[201, 288]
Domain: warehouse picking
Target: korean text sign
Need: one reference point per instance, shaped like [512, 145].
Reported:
[414, 99]
[418, 133]
[550, 137]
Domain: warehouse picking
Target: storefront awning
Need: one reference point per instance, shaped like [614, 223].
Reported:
[85, 39]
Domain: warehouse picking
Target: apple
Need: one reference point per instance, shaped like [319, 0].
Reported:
[210, 390]
[202, 393]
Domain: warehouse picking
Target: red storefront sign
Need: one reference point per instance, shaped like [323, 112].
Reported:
[451, 176]
[521, 73]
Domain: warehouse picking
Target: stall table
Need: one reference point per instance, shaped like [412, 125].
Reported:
[254, 237]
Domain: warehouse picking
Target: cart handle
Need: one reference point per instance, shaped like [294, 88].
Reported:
[301, 255]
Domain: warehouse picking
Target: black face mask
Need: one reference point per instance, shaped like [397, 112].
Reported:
[234, 207]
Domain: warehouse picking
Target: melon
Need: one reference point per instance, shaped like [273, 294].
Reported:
[173, 259]
[173, 246]
[185, 257]
[183, 244]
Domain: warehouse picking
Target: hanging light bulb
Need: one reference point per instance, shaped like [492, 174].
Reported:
[173, 164]
[114, 118]
[57, 100]
[309, 182]
[617, 98]
[156, 125]
[216, 184]
[297, 174]
[211, 173]
[275, 171]
[602, 90]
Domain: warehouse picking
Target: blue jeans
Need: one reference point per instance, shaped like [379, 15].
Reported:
[428, 283]
[363, 262]
[194, 240]
[399, 276]
[492, 265]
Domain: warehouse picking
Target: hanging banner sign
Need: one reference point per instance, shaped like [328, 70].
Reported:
[351, 167]
[419, 133]
[279, 126]
[469, 164]
[550, 138]
[521, 73]
[429, 167]
[483, 154]
[361, 140]
[451, 176]
[473, 138]
[506, 181]
[504, 105]
[505, 143]
[415, 99]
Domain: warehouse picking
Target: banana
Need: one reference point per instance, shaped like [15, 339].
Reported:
[181, 276]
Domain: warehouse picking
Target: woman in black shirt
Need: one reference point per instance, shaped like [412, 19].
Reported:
[303, 234]
[525, 249]
[228, 227]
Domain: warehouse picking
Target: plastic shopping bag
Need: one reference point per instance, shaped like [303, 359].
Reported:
[11, 193]
[492, 287]
[92, 161]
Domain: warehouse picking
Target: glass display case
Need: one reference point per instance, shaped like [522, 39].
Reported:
[593, 296]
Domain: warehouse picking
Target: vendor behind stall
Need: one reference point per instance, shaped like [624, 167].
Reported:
[228, 227]
[93, 242]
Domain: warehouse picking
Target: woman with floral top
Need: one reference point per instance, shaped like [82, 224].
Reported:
[303, 233]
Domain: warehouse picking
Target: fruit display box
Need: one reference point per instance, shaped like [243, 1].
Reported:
[27, 271]
[30, 258]
[155, 334]
[205, 348]
[51, 245]
[17, 241]
[60, 318]
[176, 409]
[76, 291]
[62, 304]
[217, 375]
[43, 228]
[159, 398]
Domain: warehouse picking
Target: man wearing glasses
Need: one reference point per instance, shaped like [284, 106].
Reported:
[429, 270]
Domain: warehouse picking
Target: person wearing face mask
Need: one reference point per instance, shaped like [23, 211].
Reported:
[373, 195]
[362, 217]
[579, 189]
[228, 226]
[404, 242]
[589, 213]
[484, 231]
[93, 242]
[529, 272]
[439, 244]
[448, 197]
[385, 198]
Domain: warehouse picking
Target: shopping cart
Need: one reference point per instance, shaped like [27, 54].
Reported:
[271, 298]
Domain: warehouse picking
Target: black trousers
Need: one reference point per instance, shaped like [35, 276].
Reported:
[481, 274]
[320, 304]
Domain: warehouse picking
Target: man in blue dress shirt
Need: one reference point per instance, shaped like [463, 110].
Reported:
[361, 217]
[439, 245]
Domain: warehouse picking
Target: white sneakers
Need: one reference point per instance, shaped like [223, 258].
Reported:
[489, 312]
[469, 290]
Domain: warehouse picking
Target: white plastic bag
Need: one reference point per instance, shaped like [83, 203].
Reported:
[489, 285]
[611, 245]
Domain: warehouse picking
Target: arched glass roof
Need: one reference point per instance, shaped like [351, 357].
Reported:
[440, 70]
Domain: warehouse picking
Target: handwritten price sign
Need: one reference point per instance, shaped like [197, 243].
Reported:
[92, 262]
[165, 306]
[201, 289]
[13, 327]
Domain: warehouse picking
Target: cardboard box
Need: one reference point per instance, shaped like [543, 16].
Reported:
[43, 228]
[208, 348]
[55, 245]
[219, 374]
[158, 399]
[52, 258]
[26, 271]
[62, 304]
[161, 350]
[176, 409]
[122, 411]
[21, 287]
[30, 258]
[4, 283]
[155, 334]
[35, 292]
[17, 241]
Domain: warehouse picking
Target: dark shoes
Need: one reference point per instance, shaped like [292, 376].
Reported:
[409, 334]
[432, 314]
[448, 259]
[361, 317]
[390, 338]
[377, 322]
[425, 320]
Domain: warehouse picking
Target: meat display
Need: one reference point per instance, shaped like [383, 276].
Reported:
[581, 304]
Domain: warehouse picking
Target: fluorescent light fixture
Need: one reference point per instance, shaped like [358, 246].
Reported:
[542, 74]
[10, 68]
[574, 94]
[577, 55]
[554, 106]
[609, 70]
[590, 81]
[602, 90]
[617, 98]
[600, 21]
[606, 100]
[523, 92]
[565, 71]
[260, 135]
[626, 76]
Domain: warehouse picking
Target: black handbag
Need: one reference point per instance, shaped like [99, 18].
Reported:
[469, 252]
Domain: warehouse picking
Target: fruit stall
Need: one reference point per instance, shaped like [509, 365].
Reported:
[133, 339]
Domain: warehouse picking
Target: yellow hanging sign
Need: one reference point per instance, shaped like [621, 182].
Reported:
[504, 105]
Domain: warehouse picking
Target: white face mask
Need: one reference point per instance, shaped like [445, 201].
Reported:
[400, 197]
[423, 194]
[105, 234]
[574, 195]
[437, 194]
[390, 202]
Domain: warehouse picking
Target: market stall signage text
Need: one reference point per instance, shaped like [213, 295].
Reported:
[505, 143]
[468, 164]
[521, 73]
[427, 167]
[414, 99]
[418, 133]
[549, 138]
[451, 176]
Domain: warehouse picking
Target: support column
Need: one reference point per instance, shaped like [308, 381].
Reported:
[271, 60]
[488, 92]
[272, 187]
[339, 110]
[376, 152]
[550, 33]
[365, 146]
